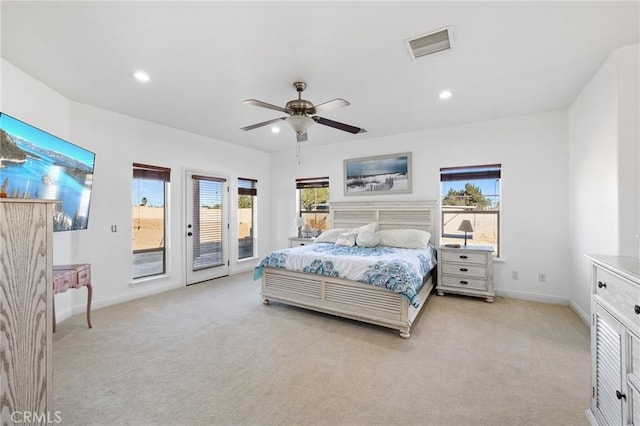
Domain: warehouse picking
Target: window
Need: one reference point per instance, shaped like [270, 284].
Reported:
[471, 193]
[150, 184]
[313, 196]
[247, 193]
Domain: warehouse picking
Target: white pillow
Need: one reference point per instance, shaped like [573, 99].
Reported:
[347, 239]
[367, 239]
[404, 238]
[371, 227]
[331, 235]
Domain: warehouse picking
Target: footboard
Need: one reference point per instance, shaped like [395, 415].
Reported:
[344, 298]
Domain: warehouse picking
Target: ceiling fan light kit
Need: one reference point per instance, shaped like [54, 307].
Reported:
[300, 123]
[302, 114]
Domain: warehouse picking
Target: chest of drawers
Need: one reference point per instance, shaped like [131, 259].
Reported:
[466, 270]
[615, 340]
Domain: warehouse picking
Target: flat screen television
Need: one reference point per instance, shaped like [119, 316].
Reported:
[38, 165]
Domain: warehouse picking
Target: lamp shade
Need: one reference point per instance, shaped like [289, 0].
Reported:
[465, 226]
[300, 123]
[300, 221]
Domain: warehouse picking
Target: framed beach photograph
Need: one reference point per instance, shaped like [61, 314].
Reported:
[383, 174]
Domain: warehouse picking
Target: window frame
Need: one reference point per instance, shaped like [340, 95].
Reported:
[162, 174]
[312, 183]
[474, 173]
[249, 188]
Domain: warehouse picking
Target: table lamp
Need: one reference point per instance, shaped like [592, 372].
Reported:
[299, 222]
[465, 226]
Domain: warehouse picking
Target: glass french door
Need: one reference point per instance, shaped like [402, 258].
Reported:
[207, 227]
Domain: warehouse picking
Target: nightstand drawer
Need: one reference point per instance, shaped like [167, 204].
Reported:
[64, 280]
[463, 282]
[300, 241]
[465, 270]
[619, 293]
[84, 277]
[464, 257]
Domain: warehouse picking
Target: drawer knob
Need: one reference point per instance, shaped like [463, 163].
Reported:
[463, 269]
[464, 256]
[636, 309]
[620, 395]
[464, 282]
[602, 285]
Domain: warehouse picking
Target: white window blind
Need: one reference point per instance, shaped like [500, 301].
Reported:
[207, 220]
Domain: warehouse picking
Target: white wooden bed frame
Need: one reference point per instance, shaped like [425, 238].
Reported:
[351, 299]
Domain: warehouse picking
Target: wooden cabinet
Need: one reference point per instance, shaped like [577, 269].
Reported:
[615, 341]
[26, 234]
[466, 270]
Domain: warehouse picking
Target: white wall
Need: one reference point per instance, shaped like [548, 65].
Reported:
[553, 163]
[119, 141]
[604, 163]
[533, 151]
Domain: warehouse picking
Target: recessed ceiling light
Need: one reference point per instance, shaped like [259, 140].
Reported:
[141, 76]
[445, 94]
[275, 129]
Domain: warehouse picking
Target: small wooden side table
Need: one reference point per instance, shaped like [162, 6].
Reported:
[72, 276]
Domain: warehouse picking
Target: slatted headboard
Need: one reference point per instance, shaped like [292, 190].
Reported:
[389, 215]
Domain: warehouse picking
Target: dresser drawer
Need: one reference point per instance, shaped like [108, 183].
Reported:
[463, 282]
[84, 277]
[464, 270]
[64, 280]
[619, 293]
[461, 257]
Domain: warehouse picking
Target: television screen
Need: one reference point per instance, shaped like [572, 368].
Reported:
[36, 164]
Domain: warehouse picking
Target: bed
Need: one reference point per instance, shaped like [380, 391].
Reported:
[352, 299]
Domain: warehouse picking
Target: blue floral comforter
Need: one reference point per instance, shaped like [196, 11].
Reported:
[397, 269]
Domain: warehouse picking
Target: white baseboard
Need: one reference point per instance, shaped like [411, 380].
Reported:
[63, 315]
[134, 294]
[543, 298]
[533, 297]
[586, 318]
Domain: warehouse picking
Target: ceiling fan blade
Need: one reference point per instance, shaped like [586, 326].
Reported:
[265, 105]
[264, 123]
[332, 104]
[338, 125]
[302, 137]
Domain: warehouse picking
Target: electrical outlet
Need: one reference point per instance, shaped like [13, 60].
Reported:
[542, 277]
[514, 275]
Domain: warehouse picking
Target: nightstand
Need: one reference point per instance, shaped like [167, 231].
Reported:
[466, 270]
[299, 241]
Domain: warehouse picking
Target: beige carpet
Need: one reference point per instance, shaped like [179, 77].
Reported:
[212, 354]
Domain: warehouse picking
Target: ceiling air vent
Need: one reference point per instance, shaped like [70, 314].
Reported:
[430, 43]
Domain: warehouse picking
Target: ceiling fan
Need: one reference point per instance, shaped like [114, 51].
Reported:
[302, 114]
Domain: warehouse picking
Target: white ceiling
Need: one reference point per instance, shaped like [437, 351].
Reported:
[205, 58]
